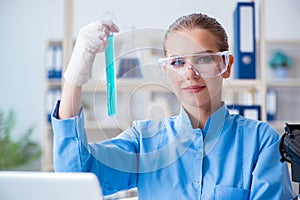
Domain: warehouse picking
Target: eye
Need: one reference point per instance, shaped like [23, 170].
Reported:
[177, 62]
[203, 59]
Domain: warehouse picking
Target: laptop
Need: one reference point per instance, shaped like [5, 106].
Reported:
[49, 186]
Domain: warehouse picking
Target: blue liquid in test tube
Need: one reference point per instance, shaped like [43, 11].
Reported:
[110, 78]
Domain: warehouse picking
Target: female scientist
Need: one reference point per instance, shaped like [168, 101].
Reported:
[203, 153]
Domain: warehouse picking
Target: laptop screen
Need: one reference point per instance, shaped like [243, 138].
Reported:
[49, 186]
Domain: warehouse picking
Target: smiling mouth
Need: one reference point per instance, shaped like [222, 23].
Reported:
[194, 88]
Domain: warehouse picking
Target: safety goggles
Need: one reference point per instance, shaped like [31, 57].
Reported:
[206, 65]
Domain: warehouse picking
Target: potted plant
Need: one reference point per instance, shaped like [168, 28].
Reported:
[280, 62]
[88, 110]
[15, 153]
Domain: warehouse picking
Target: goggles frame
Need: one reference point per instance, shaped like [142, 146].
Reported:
[221, 65]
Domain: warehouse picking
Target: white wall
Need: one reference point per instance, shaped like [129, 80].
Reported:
[25, 26]
[282, 19]
[154, 14]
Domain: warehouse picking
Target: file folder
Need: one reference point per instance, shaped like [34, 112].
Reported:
[244, 41]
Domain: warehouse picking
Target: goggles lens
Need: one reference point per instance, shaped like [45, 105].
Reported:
[206, 65]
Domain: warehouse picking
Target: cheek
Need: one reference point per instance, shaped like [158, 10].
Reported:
[214, 86]
[176, 87]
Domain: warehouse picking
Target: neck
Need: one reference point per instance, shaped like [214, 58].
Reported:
[199, 114]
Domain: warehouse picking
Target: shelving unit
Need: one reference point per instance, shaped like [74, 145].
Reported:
[53, 83]
[287, 89]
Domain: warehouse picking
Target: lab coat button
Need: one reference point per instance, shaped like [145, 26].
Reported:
[198, 132]
[200, 155]
[197, 182]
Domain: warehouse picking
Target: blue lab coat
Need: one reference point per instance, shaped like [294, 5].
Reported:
[231, 158]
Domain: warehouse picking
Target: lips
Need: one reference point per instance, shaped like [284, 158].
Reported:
[194, 88]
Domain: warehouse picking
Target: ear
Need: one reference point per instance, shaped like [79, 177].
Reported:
[164, 68]
[164, 71]
[227, 73]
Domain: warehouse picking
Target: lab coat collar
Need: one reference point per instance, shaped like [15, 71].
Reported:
[212, 122]
[213, 127]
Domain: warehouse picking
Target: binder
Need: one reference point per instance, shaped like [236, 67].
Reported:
[248, 111]
[50, 62]
[271, 105]
[234, 109]
[54, 61]
[252, 112]
[244, 41]
[58, 61]
[129, 68]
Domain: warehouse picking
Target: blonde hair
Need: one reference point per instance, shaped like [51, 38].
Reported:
[200, 21]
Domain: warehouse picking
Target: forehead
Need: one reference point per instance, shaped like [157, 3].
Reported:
[190, 41]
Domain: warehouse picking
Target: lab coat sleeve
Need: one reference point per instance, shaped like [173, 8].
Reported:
[113, 161]
[270, 177]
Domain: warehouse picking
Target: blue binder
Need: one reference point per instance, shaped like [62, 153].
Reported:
[244, 41]
[249, 111]
[234, 109]
[271, 106]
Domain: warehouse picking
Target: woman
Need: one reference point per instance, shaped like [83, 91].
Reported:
[203, 153]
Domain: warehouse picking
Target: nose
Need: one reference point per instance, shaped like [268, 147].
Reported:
[192, 73]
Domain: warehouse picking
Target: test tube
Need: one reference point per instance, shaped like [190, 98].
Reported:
[110, 77]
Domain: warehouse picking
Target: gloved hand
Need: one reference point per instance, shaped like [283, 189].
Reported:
[91, 39]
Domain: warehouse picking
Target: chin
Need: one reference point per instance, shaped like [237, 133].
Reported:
[196, 102]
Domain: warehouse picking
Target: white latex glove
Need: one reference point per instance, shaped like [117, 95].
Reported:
[91, 39]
